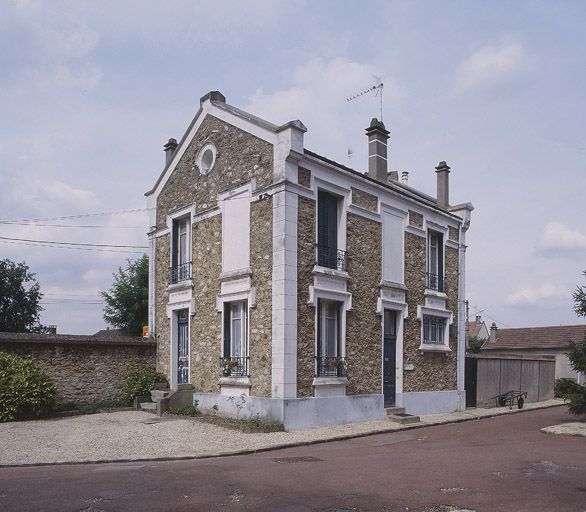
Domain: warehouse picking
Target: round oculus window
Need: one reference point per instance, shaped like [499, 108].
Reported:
[207, 158]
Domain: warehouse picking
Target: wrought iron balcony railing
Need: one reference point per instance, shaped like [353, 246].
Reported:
[331, 366]
[331, 257]
[435, 282]
[181, 272]
[234, 366]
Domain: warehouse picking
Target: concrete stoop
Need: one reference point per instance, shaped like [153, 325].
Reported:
[398, 415]
[165, 399]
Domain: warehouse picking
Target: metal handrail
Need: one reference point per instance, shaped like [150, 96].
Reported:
[181, 272]
[331, 257]
[234, 366]
[436, 282]
[331, 366]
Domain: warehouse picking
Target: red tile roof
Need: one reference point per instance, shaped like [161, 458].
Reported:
[557, 336]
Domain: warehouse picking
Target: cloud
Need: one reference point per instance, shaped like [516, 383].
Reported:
[317, 97]
[531, 296]
[558, 239]
[491, 67]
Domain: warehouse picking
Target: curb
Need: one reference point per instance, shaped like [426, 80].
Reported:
[296, 444]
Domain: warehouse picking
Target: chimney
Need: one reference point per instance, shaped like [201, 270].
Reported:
[392, 176]
[443, 185]
[169, 148]
[405, 177]
[51, 329]
[377, 150]
[478, 319]
[493, 333]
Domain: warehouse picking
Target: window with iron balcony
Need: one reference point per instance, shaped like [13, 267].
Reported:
[330, 361]
[234, 361]
[327, 252]
[180, 257]
[435, 279]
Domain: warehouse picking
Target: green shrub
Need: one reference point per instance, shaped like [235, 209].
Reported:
[141, 382]
[25, 391]
[188, 410]
[565, 387]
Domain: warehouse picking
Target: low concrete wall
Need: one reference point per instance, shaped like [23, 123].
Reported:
[84, 368]
[429, 402]
[499, 374]
[296, 413]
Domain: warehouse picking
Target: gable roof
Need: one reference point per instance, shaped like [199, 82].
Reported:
[475, 327]
[553, 337]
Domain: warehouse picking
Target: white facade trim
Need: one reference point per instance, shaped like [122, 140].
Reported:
[284, 295]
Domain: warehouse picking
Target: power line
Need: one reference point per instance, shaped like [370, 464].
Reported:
[10, 223]
[79, 216]
[488, 316]
[71, 248]
[74, 243]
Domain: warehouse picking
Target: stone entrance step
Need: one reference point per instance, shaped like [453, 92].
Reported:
[148, 406]
[394, 410]
[398, 415]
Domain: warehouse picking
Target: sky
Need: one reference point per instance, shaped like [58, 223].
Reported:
[90, 92]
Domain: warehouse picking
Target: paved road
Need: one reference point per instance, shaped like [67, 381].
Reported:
[499, 464]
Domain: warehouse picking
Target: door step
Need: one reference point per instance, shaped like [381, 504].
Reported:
[398, 415]
[148, 406]
[394, 410]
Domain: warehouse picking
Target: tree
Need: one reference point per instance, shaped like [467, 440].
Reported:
[127, 301]
[574, 392]
[579, 297]
[19, 298]
[475, 344]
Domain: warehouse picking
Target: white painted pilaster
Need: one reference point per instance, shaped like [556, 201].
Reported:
[284, 344]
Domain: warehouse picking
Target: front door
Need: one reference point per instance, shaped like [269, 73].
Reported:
[389, 356]
[182, 347]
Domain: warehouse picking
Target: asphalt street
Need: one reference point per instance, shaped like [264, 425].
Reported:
[497, 464]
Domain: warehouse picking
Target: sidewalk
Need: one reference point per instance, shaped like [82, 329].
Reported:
[139, 436]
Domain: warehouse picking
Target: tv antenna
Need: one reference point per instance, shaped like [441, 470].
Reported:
[377, 88]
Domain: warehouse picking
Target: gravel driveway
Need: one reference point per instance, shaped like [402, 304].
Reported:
[136, 435]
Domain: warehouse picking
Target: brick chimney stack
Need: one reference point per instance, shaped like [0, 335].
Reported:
[443, 185]
[493, 333]
[170, 148]
[377, 150]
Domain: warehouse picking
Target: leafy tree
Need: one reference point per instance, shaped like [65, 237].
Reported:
[19, 298]
[574, 392]
[127, 301]
[579, 296]
[475, 344]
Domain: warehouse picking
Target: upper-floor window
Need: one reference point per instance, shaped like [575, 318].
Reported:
[435, 262]
[328, 253]
[235, 358]
[180, 262]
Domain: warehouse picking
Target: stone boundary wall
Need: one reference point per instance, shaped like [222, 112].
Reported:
[85, 370]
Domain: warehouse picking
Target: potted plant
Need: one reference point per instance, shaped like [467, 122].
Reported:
[228, 366]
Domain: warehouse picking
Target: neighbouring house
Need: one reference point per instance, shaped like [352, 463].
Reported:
[538, 341]
[476, 329]
[296, 288]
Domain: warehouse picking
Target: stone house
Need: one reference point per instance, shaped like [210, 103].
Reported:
[538, 341]
[311, 293]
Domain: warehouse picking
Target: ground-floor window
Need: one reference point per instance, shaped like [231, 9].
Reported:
[235, 357]
[434, 328]
[330, 360]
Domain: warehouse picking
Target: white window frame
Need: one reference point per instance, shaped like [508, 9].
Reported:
[338, 319]
[244, 328]
[187, 214]
[447, 317]
[208, 146]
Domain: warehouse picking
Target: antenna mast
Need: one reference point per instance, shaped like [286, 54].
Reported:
[378, 91]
